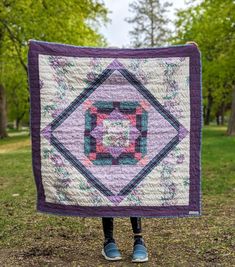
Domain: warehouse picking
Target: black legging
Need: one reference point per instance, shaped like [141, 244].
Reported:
[107, 223]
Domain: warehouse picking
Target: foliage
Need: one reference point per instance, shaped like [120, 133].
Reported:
[212, 25]
[63, 21]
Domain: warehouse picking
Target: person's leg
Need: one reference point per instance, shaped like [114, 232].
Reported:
[110, 250]
[107, 223]
[136, 227]
[140, 253]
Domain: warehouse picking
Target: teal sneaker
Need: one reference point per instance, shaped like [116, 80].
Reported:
[111, 252]
[140, 253]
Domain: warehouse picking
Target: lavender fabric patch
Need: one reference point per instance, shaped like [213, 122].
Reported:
[116, 132]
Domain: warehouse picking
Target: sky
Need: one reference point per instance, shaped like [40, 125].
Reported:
[116, 32]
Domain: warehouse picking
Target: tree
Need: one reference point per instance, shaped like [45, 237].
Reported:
[212, 25]
[231, 124]
[229, 76]
[17, 92]
[3, 115]
[67, 21]
[150, 23]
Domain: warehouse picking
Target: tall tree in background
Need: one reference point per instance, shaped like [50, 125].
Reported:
[65, 21]
[212, 25]
[3, 112]
[3, 115]
[150, 23]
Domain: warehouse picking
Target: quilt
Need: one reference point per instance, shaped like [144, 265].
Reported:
[116, 132]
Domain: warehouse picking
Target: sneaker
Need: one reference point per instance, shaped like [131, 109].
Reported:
[111, 252]
[140, 253]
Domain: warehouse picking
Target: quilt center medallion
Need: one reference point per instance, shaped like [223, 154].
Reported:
[114, 137]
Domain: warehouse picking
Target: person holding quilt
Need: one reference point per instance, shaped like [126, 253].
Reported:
[110, 250]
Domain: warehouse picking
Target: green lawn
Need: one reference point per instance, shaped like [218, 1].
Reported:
[218, 162]
[28, 238]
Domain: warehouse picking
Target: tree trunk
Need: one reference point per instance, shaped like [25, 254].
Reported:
[204, 113]
[231, 124]
[208, 109]
[152, 27]
[3, 113]
[18, 120]
[222, 113]
[17, 124]
[217, 119]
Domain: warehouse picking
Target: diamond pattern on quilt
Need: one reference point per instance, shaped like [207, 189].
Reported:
[99, 134]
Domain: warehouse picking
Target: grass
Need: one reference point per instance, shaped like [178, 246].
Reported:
[218, 161]
[28, 238]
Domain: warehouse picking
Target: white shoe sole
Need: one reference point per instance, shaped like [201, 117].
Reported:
[141, 260]
[110, 259]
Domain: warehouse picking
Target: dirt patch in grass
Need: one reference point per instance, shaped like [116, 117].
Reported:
[6, 148]
[203, 241]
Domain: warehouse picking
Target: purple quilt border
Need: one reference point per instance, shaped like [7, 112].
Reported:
[191, 51]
